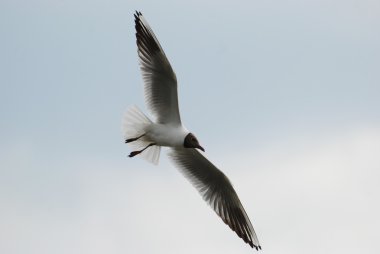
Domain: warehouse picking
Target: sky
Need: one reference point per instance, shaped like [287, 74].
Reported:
[283, 95]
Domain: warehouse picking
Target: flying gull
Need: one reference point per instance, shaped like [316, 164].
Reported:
[146, 137]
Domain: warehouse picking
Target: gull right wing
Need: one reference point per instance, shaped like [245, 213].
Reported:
[159, 78]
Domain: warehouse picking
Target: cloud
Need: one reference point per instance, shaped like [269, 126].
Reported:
[316, 195]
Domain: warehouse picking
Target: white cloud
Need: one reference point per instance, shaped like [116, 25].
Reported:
[319, 195]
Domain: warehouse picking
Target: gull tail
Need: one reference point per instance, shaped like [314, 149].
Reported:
[135, 124]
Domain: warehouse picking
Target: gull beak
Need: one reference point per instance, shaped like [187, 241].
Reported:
[200, 148]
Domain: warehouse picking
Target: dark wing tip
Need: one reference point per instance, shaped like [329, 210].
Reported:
[257, 247]
[243, 236]
[243, 232]
[253, 246]
[137, 15]
[145, 39]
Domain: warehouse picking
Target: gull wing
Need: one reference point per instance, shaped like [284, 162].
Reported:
[216, 190]
[159, 78]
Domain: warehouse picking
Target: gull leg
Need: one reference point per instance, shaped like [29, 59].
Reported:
[134, 153]
[133, 139]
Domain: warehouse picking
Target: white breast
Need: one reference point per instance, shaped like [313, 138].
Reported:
[167, 135]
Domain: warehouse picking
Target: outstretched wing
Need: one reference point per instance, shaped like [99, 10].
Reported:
[216, 190]
[159, 77]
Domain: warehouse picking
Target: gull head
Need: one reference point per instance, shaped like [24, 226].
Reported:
[192, 142]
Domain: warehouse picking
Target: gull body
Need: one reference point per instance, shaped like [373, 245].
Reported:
[146, 137]
[167, 134]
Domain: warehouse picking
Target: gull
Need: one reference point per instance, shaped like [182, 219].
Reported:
[146, 137]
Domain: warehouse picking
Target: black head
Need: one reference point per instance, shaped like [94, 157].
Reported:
[192, 142]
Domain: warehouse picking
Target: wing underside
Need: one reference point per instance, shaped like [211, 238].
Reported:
[160, 82]
[216, 190]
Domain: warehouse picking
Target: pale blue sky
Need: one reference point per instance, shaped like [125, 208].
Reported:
[284, 96]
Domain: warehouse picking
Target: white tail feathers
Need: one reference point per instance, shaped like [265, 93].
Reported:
[135, 123]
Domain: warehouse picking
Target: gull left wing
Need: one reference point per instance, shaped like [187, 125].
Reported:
[216, 190]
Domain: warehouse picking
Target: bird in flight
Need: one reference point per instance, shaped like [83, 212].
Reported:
[146, 137]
